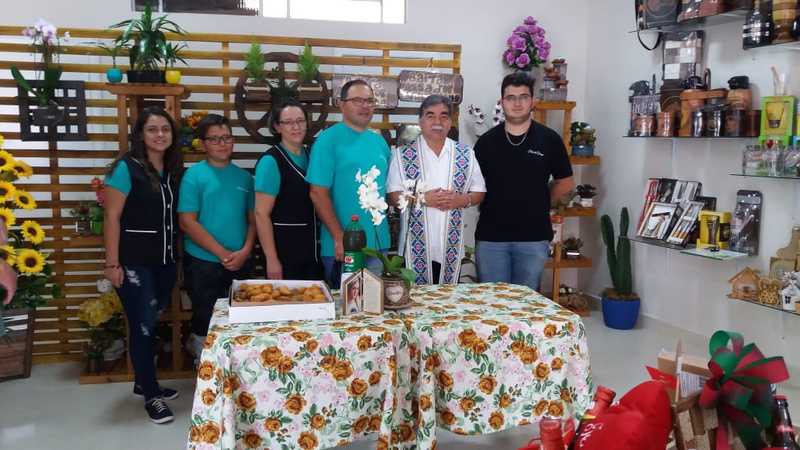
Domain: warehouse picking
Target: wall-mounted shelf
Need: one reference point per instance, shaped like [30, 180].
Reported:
[722, 255]
[721, 138]
[695, 24]
[584, 160]
[793, 45]
[776, 308]
[779, 177]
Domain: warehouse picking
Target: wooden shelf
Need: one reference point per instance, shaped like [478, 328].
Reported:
[584, 160]
[580, 263]
[578, 211]
[554, 106]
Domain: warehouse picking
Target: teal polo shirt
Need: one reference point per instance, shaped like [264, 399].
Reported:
[120, 178]
[268, 177]
[337, 155]
[221, 198]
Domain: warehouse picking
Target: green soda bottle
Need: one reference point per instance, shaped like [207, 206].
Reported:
[355, 239]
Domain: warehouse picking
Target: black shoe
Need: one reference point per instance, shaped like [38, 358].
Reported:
[158, 411]
[166, 393]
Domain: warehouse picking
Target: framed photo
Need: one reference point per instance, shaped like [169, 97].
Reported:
[362, 292]
[658, 220]
[384, 88]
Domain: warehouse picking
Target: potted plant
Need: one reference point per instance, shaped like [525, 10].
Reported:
[571, 248]
[527, 47]
[396, 278]
[114, 74]
[308, 71]
[146, 41]
[172, 56]
[279, 88]
[96, 211]
[582, 139]
[82, 219]
[45, 40]
[586, 194]
[102, 316]
[620, 304]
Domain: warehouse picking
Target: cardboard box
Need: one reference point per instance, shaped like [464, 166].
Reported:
[692, 364]
[273, 311]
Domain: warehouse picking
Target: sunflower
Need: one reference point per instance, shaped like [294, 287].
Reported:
[6, 161]
[22, 169]
[24, 200]
[32, 232]
[7, 191]
[30, 261]
[8, 217]
[8, 254]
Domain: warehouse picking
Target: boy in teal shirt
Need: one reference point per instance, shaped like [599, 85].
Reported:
[337, 155]
[215, 210]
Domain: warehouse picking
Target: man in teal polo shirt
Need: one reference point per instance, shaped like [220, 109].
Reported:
[337, 155]
[215, 210]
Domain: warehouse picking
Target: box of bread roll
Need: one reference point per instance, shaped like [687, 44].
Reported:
[278, 300]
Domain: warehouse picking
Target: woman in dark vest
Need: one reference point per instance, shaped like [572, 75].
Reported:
[140, 231]
[285, 217]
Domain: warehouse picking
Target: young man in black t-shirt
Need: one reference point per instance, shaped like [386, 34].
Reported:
[518, 157]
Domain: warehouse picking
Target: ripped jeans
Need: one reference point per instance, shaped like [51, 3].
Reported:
[145, 292]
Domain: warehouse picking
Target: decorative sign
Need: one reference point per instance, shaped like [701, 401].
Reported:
[384, 88]
[415, 85]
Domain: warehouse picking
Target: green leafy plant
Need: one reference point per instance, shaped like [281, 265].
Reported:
[254, 63]
[393, 266]
[172, 54]
[279, 88]
[581, 133]
[307, 65]
[146, 39]
[619, 258]
[112, 50]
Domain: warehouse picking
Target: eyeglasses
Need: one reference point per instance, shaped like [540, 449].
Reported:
[362, 101]
[524, 98]
[299, 123]
[219, 139]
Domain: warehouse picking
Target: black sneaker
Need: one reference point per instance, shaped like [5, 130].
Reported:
[158, 411]
[166, 393]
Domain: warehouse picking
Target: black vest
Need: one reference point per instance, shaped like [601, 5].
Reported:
[294, 221]
[148, 225]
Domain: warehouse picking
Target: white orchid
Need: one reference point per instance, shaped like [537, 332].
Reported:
[369, 197]
[413, 193]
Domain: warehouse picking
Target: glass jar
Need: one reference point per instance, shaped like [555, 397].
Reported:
[753, 161]
[791, 161]
[773, 160]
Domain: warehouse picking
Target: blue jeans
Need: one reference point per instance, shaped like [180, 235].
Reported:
[512, 262]
[333, 269]
[145, 292]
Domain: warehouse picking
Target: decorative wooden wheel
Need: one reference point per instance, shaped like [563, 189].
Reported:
[258, 97]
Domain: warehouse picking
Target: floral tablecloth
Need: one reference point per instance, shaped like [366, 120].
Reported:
[471, 358]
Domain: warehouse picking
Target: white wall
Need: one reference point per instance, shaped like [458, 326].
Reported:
[685, 291]
[479, 26]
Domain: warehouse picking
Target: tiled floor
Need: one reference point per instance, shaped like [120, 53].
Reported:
[52, 411]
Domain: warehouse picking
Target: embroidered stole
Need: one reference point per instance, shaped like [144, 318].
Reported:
[414, 231]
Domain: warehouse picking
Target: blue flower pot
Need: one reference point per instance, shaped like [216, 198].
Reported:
[620, 314]
[583, 150]
[114, 75]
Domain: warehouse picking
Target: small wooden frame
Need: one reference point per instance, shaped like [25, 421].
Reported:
[769, 291]
[384, 88]
[416, 85]
[63, 120]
